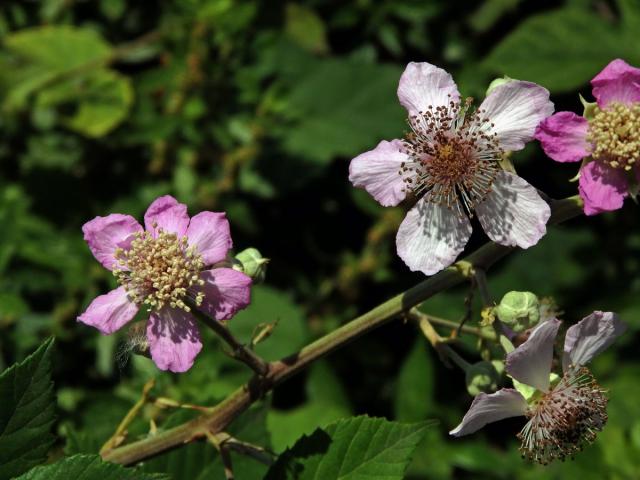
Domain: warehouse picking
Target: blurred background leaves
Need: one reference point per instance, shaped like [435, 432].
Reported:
[255, 108]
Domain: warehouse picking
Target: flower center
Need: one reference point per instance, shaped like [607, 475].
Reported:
[453, 160]
[564, 420]
[159, 271]
[615, 135]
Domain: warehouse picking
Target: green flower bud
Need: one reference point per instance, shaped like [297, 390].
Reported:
[519, 310]
[251, 262]
[497, 82]
[482, 377]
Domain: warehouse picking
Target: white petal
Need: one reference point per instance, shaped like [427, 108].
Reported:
[530, 363]
[377, 171]
[486, 409]
[513, 214]
[423, 85]
[590, 336]
[514, 110]
[431, 237]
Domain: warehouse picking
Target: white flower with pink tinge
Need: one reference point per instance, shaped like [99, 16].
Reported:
[171, 260]
[564, 413]
[450, 162]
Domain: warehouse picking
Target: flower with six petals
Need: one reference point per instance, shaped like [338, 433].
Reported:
[167, 266]
[450, 163]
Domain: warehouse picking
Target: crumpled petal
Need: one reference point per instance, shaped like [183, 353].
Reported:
[423, 85]
[563, 137]
[174, 339]
[617, 82]
[105, 234]
[431, 237]
[602, 188]
[590, 336]
[514, 110]
[488, 408]
[530, 363]
[168, 215]
[377, 171]
[209, 233]
[109, 312]
[513, 214]
[226, 291]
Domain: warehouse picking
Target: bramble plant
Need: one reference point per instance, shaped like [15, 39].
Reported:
[205, 338]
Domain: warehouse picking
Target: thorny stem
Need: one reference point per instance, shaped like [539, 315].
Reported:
[478, 332]
[238, 351]
[480, 279]
[242, 398]
[444, 350]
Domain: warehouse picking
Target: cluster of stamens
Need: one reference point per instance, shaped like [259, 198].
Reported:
[566, 419]
[454, 161]
[615, 135]
[160, 271]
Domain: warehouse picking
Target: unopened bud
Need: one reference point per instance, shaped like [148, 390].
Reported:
[251, 262]
[482, 377]
[519, 310]
[497, 82]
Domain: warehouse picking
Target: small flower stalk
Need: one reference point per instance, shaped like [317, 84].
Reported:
[173, 264]
[564, 413]
[606, 139]
[450, 163]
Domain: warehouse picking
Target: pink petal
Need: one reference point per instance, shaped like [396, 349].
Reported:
[209, 233]
[513, 214]
[590, 336]
[515, 109]
[618, 82]
[431, 237]
[377, 172]
[563, 137]
[488, 408]
[423, 85]
[174, 339]
[109, 312]
[602, 188]
[105, 234]
[168, 214]
[226, 291]
[530, 363]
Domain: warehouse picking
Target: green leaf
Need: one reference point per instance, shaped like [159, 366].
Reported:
[27, 407]
[359, 448]
[305, 28]
[414, 390]
[87, 467]
[564, 46]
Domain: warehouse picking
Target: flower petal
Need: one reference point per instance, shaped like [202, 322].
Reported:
[168, 215]
[617, 82]
[513, 214]
[563, 137]
[377, 171]
[530, 363]
[209, 233]
[431, 237]
[514, 110]
[174, 339]
[590, 336]
[488, 408]
[423, 85]
[602, 188]
[109, 312]
[105, 234]
[225, 292]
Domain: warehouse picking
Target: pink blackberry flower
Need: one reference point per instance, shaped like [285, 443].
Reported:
[171, 260]
[564, 413]
[450, 163]
[608, 138]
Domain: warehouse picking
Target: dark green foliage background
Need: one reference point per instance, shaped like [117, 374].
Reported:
[255, 108]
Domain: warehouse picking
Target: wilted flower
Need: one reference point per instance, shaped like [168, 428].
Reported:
[609, 133]
[161, 266]
[450, 162]
[564, 413]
